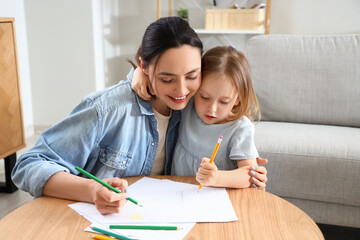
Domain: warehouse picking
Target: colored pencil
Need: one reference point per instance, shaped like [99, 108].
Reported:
[105, 184]
[99, 237]
[214, 153]
[110, 233]
[144, 227]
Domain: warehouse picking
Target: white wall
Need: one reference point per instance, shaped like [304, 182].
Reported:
[61, 50]
[15, 9]
[71, 48]
[306, 17]
[315, 17]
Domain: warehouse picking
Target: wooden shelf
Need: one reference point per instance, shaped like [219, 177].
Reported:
[206, 31]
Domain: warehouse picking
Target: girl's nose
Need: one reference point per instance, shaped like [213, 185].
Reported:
[213, 107]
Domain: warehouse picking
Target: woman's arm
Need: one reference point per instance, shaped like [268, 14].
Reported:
[244, 176]
[69, 186]
[49, 167]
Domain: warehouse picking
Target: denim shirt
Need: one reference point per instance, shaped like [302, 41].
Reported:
[111, 133]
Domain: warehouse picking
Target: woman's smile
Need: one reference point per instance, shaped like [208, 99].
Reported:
[178, 99]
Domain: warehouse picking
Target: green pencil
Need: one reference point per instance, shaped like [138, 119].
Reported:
[144, 227]
[105, 184]
[111, 233]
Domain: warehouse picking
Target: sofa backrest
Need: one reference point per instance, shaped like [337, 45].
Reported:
[307, 79]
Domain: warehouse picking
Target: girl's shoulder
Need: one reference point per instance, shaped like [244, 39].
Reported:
[242, 122]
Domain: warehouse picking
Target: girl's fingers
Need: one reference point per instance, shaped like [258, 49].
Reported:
[208, 166]
[144, 93]
[202, 172]
[204, 160]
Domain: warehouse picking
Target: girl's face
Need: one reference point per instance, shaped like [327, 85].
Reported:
[215, 99]
[176, 78]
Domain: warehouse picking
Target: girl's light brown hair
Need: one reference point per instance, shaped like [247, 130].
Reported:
[233, 65]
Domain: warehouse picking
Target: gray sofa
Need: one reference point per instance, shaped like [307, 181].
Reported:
[309, 93]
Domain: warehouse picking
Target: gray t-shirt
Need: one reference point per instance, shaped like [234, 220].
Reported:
[197, 140]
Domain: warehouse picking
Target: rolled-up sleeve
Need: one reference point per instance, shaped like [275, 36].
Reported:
[60, 148]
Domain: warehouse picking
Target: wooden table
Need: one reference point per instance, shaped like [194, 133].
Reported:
[261, 216]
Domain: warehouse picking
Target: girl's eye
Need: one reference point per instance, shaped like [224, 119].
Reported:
[205, 98]
[222, 102]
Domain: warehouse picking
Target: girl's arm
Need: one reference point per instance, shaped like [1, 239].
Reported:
[244, 176]
[140, 83]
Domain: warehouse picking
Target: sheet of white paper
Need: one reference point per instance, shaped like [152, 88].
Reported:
[169, 201]
[166, 201]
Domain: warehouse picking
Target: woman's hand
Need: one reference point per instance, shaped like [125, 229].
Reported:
[208, 173]
[107, 201]
[140, 84]
[258, 177]
[261, 160]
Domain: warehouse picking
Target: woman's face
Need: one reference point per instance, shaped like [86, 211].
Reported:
[176, 78]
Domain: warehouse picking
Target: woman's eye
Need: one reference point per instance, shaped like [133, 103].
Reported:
[166, 80]
[192, 77]
[205, 98]
[222, 102]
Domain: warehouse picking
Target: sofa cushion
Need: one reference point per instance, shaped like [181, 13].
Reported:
[307, 79]
[314, 162]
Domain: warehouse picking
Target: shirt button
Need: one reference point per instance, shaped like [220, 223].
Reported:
[146, 172]
[152, 144]
[124, 162]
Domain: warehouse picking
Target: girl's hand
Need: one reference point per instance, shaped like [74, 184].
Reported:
[107, 201]
[258, 177]
[208, 173]
[140, 84]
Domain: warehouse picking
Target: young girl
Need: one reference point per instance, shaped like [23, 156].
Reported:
[224, 106]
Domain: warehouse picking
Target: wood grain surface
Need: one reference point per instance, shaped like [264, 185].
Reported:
[261, 216]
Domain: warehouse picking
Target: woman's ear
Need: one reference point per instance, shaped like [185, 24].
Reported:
[142, 66]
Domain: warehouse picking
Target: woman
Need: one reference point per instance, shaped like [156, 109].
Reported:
[114, 133]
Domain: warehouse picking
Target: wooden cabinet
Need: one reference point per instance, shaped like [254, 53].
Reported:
[11, 123]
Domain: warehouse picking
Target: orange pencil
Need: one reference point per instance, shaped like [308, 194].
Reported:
[214, 153]
[99, 237]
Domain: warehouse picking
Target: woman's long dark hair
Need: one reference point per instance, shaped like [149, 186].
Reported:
[163, 34]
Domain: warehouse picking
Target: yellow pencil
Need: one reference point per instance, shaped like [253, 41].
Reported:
[99, 237]
[214, 153]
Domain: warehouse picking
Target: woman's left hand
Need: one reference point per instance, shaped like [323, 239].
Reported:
[208, 173]
[258, 177]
